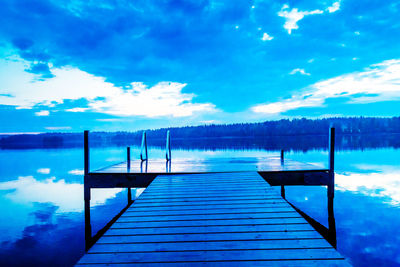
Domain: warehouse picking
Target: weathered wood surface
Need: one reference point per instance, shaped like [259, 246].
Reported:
[223, 219]
[178, 166]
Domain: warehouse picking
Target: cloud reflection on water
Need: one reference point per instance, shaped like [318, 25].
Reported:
[67, 196]
[382, 181]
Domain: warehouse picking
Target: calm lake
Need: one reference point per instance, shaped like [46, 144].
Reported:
[41, 199]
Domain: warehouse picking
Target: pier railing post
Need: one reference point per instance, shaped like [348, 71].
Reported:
[86, 151]
[331, 183]
[144, 147]
[283, 194]
[86, 192]
[128, 158]
[128, 162]
[168, 147]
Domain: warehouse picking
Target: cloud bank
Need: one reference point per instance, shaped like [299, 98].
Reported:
[379, 82]
[23, 91]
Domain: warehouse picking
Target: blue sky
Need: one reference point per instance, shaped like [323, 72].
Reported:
[128, 65]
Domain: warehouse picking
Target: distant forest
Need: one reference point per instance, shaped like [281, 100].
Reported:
[268, 133]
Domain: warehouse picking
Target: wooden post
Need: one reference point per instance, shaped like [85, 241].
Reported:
[128, 162]
[331, 223]
[86, 151]
[331, 185]
[86, 192]
[283, 193]
[128, 158]
[88, 225]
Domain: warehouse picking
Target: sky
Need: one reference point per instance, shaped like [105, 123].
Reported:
[112, 65]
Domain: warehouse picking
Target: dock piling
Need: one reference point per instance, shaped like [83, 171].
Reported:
[128, 158]
[331, 183]
[128, 162]
[86, 192]
[283, 194]
[86, 151]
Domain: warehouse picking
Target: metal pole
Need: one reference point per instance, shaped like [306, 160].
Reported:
[143, 147]
[168, 147]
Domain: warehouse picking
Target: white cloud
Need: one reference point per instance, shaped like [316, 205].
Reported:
[357, 33]
[76, 172]
[77, 109]
[44, 170]
[19, 89]
[42, 113]
[293, 16]
[267, 37]
[379, 82]
[334, 7]
[301, 71]
[164, 98]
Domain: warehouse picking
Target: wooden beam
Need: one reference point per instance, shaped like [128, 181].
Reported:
[120, 180]
[318, 177]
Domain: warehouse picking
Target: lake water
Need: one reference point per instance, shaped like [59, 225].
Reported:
[41, 199]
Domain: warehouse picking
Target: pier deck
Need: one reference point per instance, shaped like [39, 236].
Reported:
[201, 165]
[222, 219]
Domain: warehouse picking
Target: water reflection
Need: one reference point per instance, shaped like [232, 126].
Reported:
[66, 196]
[42, 213]
[385, 185]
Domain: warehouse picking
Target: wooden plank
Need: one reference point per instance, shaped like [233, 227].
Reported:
[206, 256]
[209, 237]
[208, 207]
[209, 192]
[216, 245]
[198, 217]
[210, 229]
[255, 263]
[248, 222]
[197, 200]
[223, 194]
[135, 213]
[190, 191]
[210, 203]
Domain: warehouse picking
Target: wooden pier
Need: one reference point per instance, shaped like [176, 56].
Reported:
[199, 216]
